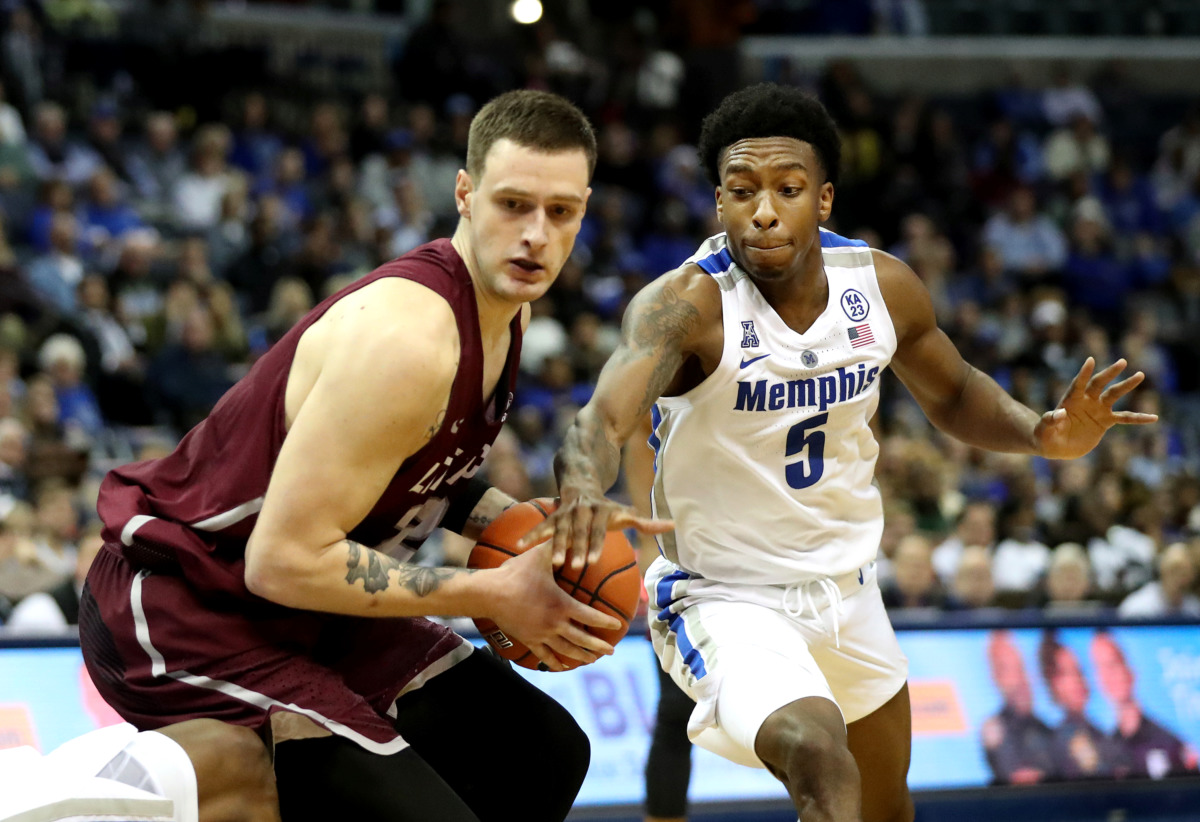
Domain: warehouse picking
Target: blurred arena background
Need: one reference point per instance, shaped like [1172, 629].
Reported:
[181, 181]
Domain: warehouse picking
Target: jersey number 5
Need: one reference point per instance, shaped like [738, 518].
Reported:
[804, 439]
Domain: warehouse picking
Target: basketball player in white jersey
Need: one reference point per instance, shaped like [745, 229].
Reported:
[117, 772]
[761, 358]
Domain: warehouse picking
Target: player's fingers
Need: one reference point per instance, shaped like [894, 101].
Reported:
[581, 529]
[547, 660]
[537, 534]
[1119, 389]
[652, 526]
[562, 536]
[587, 615]
[599, 530]
[1134, 418]
[580, 645]
[1081, 379]
[1104, 376]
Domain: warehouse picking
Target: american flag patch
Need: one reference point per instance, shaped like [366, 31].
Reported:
[861, 335]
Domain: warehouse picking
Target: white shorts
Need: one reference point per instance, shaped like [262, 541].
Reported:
[744, 651]
[114, 772]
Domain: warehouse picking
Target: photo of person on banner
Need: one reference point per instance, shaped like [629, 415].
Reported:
[1154, 751]
[1016, 742]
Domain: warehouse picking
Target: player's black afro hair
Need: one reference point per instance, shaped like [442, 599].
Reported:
[769, 110]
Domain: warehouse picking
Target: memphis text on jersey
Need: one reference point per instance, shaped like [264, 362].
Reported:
[821, 392]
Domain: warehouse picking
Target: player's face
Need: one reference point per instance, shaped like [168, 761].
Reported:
[1008, 672]
[1116, 680]
[1069, 686]
[772, 198]
[523, 215]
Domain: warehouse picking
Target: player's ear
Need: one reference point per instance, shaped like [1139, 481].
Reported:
[826, 203]
[720, 207]
[464, 187]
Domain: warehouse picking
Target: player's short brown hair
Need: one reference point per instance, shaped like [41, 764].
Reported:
[534, 119]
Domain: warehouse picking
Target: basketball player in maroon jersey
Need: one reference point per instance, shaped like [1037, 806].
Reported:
[257, 574]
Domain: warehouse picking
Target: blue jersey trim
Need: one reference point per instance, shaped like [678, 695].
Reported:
[654, 441]
[717, 262]
[663, 598]
[831, 240]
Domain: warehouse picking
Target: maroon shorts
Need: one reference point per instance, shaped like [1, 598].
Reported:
[160, 652]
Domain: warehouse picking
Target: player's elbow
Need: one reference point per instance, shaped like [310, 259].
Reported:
[268, 572]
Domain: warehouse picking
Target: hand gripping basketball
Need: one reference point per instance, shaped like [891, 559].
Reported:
[611, 585]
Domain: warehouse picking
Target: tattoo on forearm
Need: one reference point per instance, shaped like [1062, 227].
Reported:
[424, 581]
[375, 576]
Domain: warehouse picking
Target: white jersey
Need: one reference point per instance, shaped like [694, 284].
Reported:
[767, 467]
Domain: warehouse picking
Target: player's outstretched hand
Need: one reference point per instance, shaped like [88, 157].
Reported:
[544, 617]
[579, 524]
[1086, 412]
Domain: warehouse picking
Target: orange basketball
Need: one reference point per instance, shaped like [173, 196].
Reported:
[611, 585]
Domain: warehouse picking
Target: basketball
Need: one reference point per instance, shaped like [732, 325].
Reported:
[611, 585]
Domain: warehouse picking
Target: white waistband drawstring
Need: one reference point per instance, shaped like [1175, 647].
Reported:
[805, 602]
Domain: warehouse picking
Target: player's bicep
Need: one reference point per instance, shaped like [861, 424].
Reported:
[659, 330]
[926, 360]
[369, 410]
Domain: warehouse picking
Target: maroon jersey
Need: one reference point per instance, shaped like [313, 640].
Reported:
[193, 510]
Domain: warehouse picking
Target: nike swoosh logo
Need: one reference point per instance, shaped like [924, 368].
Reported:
[756, 359]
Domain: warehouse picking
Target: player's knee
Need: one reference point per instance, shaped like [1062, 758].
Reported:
[570, 753]
[233, 770]
[803, 752]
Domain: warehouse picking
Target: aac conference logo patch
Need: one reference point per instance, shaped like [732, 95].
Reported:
[855, 305]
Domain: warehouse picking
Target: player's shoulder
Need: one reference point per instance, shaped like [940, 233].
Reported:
[687, 285]
[393, 320]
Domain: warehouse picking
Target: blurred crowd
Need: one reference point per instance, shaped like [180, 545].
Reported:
[147, 258]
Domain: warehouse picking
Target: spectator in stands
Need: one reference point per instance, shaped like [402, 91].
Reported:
[106, 216]
[1155, 752]
[914, 584]
[267, 258]
[973, 587]
[1029, 243]
[53, 154]
[1170, 595]
[1021, 558]
[188, 377]
[1068, 583]
[13, 455]
[255, 146]
[56, 275]
[62, 358]
[12, 127]
[21, 569]
[22, 56]
[1076, 147]
[1015, 741]
[55, 451]
[54, 197]
[198, 193]
[976, 525]
[1004, 160]
[156, 166]
[56, 528]
[1066, 98]
[54, 610]
[104, 137]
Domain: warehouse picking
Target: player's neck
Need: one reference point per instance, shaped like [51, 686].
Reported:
[800, 298]
[495, 314]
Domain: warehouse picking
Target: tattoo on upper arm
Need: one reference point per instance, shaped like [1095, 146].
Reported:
[420, 580]
[658, 328]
